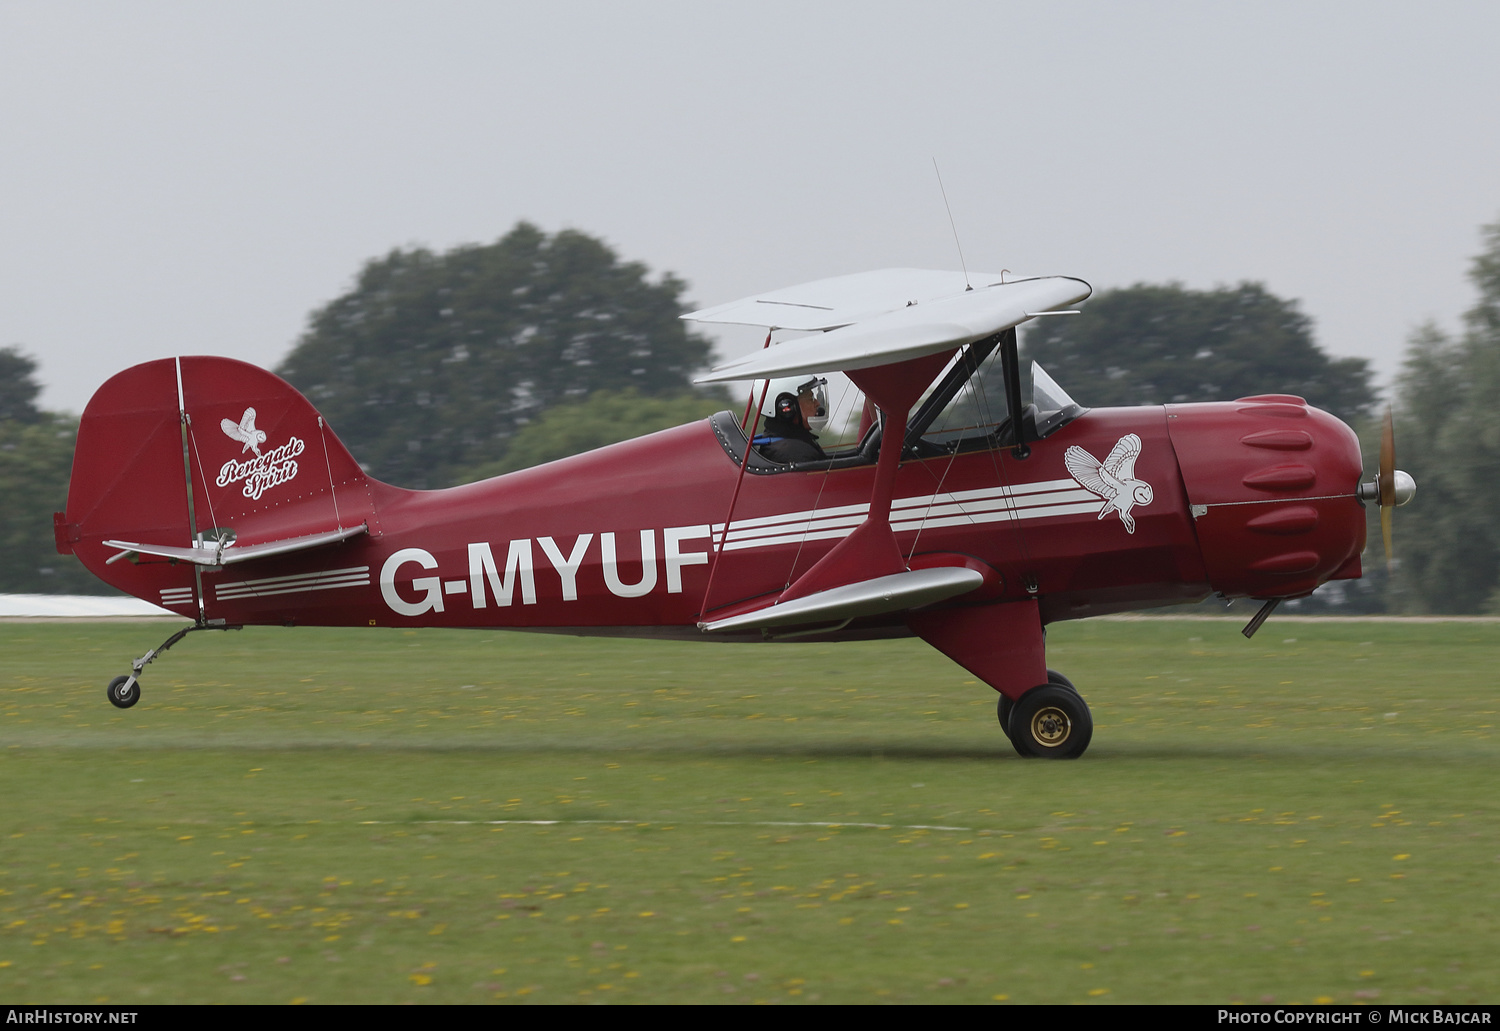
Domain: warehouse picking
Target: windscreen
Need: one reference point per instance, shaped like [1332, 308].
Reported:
[1053, 405]
[976, 409]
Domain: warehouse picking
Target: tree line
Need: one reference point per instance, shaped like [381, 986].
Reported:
[434, 365]
[36, 455]
[1448, 438]
[442, 368]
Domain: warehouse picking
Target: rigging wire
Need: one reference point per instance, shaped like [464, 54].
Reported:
[733, 499]
[327, 464]
[953, 457]
[1002, 476]
[848, 385]
[745, 419]
[207, 494]
[739, 482]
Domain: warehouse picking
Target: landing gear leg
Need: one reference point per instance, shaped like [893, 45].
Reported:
[126, 691]
[1002, 644]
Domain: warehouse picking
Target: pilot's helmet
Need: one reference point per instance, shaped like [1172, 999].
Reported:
[783, 397]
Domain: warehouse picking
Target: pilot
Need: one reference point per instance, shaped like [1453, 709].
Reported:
[796, 406]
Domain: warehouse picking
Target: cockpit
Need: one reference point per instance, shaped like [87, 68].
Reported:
[966, 409]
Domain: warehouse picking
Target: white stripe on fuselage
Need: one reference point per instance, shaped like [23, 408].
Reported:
[506, 573]
[322, 580]
[1040, 500]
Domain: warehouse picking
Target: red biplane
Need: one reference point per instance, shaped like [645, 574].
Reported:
[944, 504]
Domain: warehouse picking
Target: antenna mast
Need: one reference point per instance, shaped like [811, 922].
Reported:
[962, 264]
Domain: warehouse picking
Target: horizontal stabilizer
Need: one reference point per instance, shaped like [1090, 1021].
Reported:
[210, 553]
[894, 593]
[905, 328]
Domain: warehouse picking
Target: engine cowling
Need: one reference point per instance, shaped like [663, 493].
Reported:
[1273, 487]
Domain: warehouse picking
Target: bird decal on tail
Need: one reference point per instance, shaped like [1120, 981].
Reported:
[245, 431]
[1113, 479]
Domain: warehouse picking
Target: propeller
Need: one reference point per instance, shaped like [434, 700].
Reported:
[1391, 487]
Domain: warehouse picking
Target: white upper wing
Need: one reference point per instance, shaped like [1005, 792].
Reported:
[877, 322]
[840, 301]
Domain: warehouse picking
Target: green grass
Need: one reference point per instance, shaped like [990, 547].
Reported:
[307, 814]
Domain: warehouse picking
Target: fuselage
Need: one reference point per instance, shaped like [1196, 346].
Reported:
[622, 540]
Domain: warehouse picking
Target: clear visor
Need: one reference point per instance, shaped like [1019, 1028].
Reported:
[817, 389]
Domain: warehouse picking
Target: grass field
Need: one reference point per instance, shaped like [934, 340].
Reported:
[339, 816]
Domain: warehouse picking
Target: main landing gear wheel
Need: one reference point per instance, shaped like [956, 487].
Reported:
[1002, 710]
[124, 692]
[1050, 722]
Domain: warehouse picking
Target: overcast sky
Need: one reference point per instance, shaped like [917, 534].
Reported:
[180, 178]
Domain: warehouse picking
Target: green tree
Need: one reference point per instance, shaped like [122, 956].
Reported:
[1448, 438]
[1161, 344]
[433, 362]
[35, 460]
[36, 457]
[18, 387]
[604, 418]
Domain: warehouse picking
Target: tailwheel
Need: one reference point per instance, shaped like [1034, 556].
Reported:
[1050, 722]
[124, 692]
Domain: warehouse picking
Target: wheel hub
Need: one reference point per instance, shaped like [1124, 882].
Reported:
[1050, 726]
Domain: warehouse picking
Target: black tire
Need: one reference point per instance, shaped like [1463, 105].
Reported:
[1051, 722]
[121, 696]
[1003, 709]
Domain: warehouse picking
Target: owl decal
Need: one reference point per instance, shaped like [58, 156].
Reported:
[244, 431]
[1112, 479]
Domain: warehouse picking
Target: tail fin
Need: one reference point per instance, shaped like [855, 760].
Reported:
[193, 453]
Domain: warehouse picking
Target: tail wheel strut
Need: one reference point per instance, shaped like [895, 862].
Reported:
[126, 691]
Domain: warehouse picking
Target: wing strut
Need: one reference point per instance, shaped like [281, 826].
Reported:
[734, 499]
[871, 550]
[1012, 363]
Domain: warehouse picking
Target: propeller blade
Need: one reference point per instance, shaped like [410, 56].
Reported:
[1388, 463]
[1387, 480]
